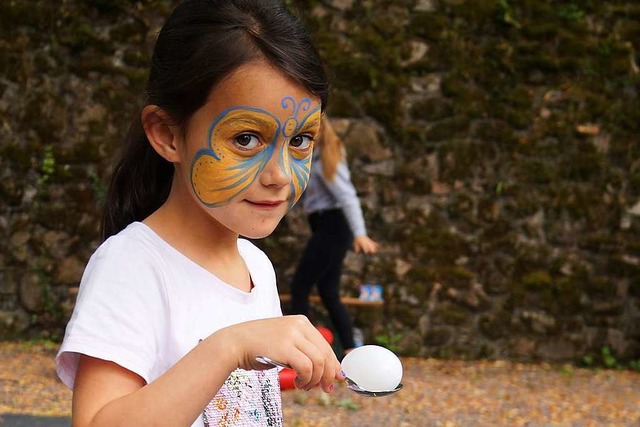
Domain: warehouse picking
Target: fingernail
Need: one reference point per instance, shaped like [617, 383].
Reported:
[330, 388]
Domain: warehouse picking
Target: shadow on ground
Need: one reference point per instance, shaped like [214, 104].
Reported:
[12, 420]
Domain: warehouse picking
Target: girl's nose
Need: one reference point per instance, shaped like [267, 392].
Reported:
[277, 172]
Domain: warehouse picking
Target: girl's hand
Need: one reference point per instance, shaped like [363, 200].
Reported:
[365, 244]
[290, 339]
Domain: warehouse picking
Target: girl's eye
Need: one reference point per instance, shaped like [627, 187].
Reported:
[247, 141]
[301, 142]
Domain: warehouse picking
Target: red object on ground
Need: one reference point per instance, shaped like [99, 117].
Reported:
[326, 333]
[287, 375]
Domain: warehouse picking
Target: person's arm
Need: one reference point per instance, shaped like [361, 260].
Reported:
[342, 188]
[365, 244]
[105, 394]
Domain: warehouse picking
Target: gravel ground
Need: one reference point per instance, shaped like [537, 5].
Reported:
[436, 393]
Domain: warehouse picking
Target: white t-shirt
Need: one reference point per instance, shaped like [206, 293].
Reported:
[144, 305]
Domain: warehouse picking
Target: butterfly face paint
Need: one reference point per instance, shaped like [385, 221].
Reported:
[242, 140]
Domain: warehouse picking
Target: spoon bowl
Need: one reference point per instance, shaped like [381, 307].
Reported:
[351, 385]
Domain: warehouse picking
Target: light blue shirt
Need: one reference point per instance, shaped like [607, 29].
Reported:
[340, 193]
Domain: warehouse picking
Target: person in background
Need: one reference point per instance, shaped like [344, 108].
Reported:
[337, 224]
[174, 307]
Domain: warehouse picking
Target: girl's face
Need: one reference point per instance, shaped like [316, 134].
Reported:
[247, 151]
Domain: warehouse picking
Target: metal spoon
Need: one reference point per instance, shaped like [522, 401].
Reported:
[351, 384]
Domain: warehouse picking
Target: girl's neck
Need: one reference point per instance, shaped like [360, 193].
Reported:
[202, 239]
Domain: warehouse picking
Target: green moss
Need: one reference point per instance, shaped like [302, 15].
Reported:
[136, 57]
[384, 106]
[567, 292]
[495, 326]
[446, 129]
[478, 14]
[407, 316]
[18, 157]
[498, 236]
[499, 131]
[412, 138]
[431, 109]
[437, 336]
[80, 36]
[109, 7]
[85, 151]
[11, 192]
[634, 289]
[355, 73]
[538, 171]
[428, 25]
[459, 158]
[573, 45]
[419, 276]
[450, 314]
[559, 296]
[435, 243]
[470, 100]
[32, 15]
[583, 166]
[541, 29]
[599, 286]
[457, 276]
[537, 281]
[599, 242]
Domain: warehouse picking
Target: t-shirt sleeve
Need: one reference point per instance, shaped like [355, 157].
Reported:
[344, 192]
[119, 312]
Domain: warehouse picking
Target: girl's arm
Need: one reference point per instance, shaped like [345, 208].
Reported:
[105, 394]
[343, 190]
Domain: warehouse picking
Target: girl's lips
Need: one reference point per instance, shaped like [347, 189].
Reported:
[267, 204]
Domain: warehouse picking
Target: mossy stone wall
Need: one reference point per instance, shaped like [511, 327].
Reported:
[494, 144]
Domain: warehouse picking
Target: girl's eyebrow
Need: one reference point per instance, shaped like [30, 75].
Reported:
[250, 119]
[262, 120]
[313, 122]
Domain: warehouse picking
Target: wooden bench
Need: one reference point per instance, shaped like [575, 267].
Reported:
[351, 301]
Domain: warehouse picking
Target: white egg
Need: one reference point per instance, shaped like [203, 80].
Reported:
[373, 368]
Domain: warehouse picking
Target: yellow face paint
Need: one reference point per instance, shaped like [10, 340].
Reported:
[225, 169]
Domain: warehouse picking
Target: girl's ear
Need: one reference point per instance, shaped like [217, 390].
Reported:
[162, 135]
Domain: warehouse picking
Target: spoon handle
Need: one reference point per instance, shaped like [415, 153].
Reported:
[268, 361]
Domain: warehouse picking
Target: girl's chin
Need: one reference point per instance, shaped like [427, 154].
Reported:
[254, 236]
[258, 233]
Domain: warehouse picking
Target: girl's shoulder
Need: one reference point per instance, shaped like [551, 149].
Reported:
[137, 245]
[134, 237]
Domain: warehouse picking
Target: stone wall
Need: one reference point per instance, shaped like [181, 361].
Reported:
[494, 144]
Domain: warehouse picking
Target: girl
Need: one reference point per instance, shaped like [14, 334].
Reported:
[335, 217]
[173, 307]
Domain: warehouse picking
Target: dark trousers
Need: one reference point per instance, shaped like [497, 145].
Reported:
[321, 265]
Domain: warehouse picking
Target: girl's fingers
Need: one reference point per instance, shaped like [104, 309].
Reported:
[329, 367]
[314, 366]
[304, 373]
[332, 369]
[314, 361]
[300, 345]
